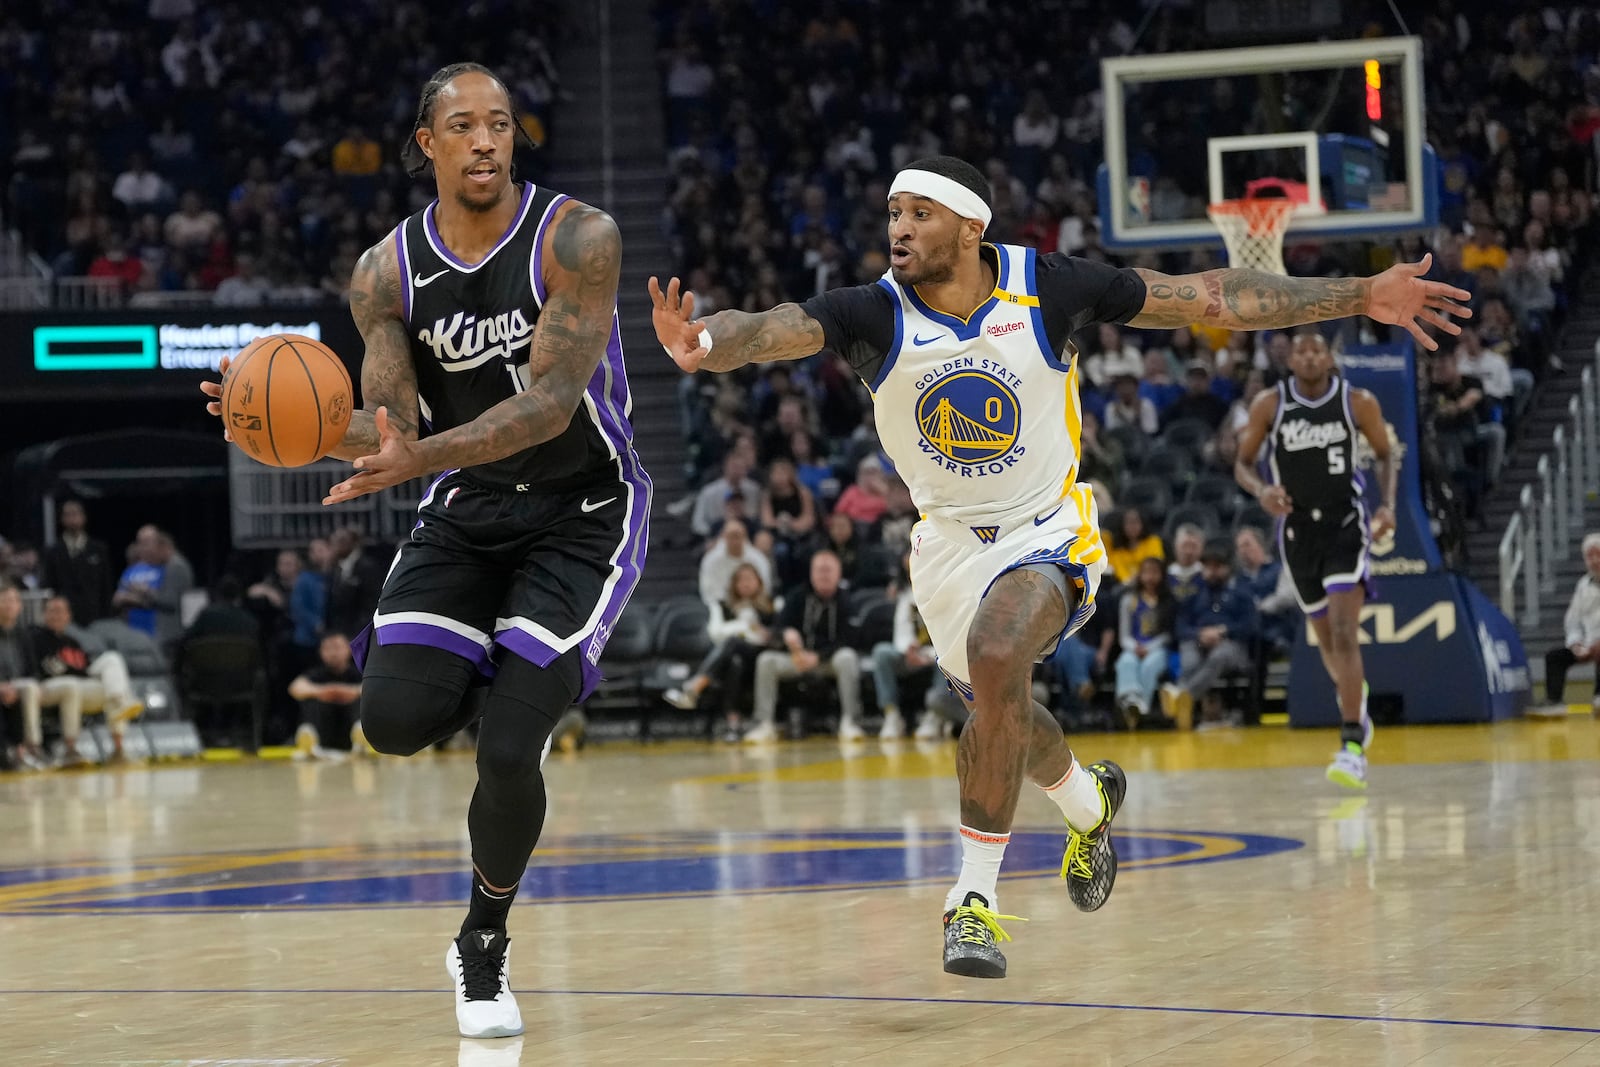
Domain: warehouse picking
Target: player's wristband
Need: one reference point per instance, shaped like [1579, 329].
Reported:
[704, 339]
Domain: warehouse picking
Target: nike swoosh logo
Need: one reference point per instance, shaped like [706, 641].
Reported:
[419, 281]
[1042, 519]
[588, 507]
[925, 340]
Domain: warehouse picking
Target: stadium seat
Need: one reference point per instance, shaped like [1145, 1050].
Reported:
[1201, 515]
[1152, 496]
[1188, 435]
[1219, 491]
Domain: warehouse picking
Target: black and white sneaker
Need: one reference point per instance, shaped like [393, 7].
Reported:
[479, 961]
[1090, 862]
[972, 934]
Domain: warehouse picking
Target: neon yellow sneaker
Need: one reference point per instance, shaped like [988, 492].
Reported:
[971, 935]
[1090, 862]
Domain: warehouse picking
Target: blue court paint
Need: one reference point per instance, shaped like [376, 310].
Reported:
[565, 870]
[843, 999]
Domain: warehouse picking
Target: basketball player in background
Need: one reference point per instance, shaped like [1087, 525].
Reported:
[491, 316]
[965, 346]
[1310, 422]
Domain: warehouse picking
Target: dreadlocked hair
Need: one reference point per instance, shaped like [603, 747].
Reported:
[414, 159]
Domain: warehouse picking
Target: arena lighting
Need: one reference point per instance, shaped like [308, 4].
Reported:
[1374, 98]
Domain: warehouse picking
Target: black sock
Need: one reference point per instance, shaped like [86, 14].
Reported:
[1352, 731]
[487, 909]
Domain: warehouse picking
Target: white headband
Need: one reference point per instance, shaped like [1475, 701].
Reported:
[952, 194]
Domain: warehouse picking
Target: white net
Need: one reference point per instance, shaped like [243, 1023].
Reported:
[1253, 231]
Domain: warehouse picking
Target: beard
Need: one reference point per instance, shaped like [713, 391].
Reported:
[934, 267]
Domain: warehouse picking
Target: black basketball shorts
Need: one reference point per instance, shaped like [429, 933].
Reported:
[1324, 556]
[489, 570]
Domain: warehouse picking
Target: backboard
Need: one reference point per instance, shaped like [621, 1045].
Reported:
[1339, 123]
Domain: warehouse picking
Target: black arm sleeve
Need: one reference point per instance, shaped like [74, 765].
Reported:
[858, 323]
[1074, 293]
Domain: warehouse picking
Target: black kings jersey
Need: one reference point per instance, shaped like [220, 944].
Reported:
[1312, 451]
[471, 328]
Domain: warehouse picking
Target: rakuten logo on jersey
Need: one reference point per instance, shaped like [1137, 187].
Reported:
[469, 341]
[1300, 435]
[1000, 329]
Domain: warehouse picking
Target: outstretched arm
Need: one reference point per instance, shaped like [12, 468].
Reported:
[585, 255]
[736, 337]
[1369, 420]
[1240, 299]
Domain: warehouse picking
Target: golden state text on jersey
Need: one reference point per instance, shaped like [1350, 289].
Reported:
[980, 416]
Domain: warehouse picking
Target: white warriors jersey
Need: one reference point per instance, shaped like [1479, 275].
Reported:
[980, 417]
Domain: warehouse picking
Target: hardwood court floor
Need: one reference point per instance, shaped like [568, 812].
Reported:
[699, 904]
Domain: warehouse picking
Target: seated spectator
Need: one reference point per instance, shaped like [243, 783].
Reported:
[1199, 401]
[789, 513]
[25, 568]
[1114, 358]
[731, 551]
[1484, 247]
[141, 189]
[711, 504]
[244, 287]
[1145, 620]
[816, 633]
[740, 626]
[330, 703]
[1529, 292]
[355, 581]
[1183, 573]
[842, 537]
[1582, 626]
[1080, 659]
[1131, 543]
[19, 686]
[1214, 629]
[79, 681]
[812, 470]
[1506, 390]
[117, 262]
[907, 659]
[1461, 425]
[1156, 384]
[866, 500]
[193, 227]
[1129, 407]
[791, 418]
[1270, 588]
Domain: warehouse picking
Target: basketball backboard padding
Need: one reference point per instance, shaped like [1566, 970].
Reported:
[1164, 142]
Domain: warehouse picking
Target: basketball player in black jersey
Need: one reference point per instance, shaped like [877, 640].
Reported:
[493, 362]
[937, 211]
[1310, 422]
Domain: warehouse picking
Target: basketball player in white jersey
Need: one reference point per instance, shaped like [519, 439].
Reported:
[1310, 423]
[965, 345]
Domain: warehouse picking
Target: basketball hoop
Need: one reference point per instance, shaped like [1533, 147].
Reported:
[1253, 231]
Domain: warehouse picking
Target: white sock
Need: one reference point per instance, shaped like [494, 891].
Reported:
[981, 853]
[1078, 796]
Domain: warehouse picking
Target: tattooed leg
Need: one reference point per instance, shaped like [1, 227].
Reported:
[1009, 737]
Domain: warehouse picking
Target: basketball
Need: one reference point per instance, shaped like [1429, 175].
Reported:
[286, 399]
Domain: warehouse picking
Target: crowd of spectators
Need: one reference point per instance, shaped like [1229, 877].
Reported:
[76, 620]
[777, 171]
[247, 150]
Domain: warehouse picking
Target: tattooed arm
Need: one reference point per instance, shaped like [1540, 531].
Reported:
[584, 254]
[738, 337]
[1240, 299]
[388, 380]
[582, 262]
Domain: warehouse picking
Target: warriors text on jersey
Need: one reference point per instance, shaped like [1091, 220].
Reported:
[1312, 450]
[471, 327]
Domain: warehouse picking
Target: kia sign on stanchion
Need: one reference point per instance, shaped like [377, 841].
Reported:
[1430, 641]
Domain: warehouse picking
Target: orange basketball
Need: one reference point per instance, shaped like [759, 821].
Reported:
[286, 400]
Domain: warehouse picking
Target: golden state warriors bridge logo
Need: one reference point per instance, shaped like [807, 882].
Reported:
[969, 417]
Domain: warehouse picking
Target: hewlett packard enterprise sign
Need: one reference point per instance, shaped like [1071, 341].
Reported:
[150, 346]
[94, 355]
